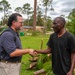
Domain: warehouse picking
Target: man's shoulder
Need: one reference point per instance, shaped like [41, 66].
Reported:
[6, 34]
[53, 34]
[69, 34]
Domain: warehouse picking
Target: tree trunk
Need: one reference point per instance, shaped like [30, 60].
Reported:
[4, 16]
[45, 20]
[34, 22]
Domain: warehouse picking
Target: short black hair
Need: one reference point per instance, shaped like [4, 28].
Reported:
[12, 18]
[62, 19]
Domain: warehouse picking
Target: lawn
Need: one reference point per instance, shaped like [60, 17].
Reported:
[33, 42]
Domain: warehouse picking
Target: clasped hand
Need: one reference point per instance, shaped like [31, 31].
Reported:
[32, 52]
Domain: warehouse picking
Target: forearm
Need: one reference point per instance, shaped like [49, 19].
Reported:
[72, 61]
[19, 52]
[47, 51]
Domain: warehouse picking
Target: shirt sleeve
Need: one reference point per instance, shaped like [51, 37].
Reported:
[49, 43]
[72, 43]
[8, 42]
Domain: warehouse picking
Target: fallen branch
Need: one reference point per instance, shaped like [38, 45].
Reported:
[33, 64]
[33, 59]
[39, 72]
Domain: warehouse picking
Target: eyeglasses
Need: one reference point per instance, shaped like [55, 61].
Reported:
[20, 22]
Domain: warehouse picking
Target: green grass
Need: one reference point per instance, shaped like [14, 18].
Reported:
[33, 42]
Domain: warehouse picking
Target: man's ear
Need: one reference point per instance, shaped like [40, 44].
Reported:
[13, 22]
[62, 24]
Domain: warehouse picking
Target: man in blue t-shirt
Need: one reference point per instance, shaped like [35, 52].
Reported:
[62, 46]
[10, 47]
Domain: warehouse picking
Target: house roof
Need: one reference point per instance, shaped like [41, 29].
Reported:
[27, 26]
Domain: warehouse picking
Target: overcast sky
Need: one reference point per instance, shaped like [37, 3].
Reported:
[60, 6]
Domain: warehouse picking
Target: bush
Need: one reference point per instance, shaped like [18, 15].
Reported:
[35, 33]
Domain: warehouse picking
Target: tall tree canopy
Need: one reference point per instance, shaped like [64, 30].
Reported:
[71, 22]
[4, 7]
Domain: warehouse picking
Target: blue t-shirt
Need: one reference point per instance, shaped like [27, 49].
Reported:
[8, 44]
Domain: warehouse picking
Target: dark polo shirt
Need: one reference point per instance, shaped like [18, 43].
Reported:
[8, 44]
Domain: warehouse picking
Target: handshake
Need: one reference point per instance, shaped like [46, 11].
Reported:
[33, 52]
